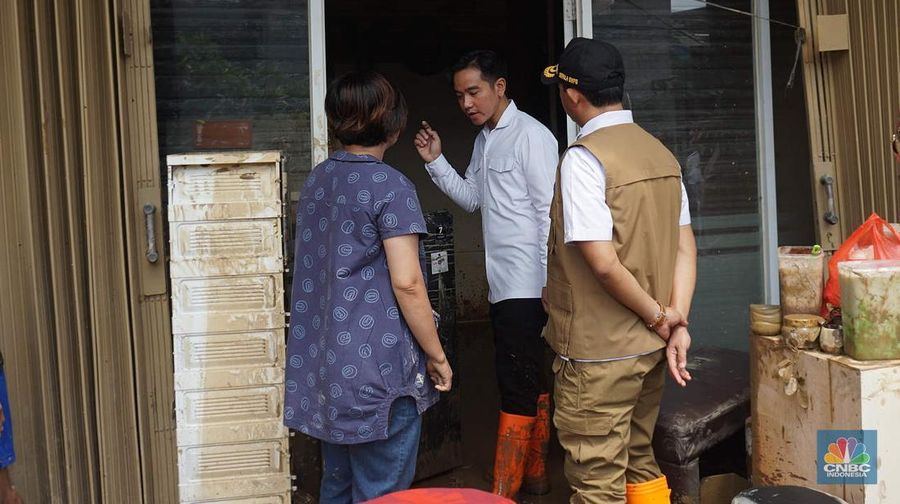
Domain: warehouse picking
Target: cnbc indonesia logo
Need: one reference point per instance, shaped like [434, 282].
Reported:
[845, 458]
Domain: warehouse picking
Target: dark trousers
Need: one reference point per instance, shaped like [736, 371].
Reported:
[519, 357]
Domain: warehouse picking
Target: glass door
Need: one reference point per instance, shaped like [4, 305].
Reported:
[690, 82]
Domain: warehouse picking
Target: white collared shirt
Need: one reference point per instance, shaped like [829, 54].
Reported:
[583, 184]
[510, 178]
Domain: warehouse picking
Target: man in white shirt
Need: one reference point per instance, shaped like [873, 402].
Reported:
[510, 179]
[621, 275]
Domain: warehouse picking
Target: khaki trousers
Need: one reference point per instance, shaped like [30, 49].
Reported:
[605, 415]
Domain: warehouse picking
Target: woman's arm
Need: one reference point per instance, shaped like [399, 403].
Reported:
[412, 297]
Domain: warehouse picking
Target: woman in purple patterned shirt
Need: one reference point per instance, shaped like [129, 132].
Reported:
[364, 359]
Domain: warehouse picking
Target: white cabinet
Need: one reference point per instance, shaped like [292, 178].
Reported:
[228, 322]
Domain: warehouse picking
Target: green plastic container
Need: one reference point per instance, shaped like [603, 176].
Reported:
[870, 306]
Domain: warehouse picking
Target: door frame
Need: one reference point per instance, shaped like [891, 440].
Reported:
[318, 82]
[148, 288]
[577, 22]
[765, 150]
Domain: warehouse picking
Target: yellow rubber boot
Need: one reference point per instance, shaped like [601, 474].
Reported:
[650, 492]
[536, 481]
[513, 435]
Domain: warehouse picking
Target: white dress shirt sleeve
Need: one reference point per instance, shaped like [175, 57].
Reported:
[685, 217]
[583, 184]
[540, 160]
[464, 191]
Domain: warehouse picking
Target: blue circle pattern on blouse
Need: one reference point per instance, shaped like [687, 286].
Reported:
[362, 349]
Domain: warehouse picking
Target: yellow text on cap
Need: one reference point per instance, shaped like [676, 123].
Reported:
[570, 80]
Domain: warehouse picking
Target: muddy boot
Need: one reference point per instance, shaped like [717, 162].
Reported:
[536, 481]
[512, 447]
[651, 492]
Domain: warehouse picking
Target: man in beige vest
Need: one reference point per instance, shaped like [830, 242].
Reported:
[620, 278]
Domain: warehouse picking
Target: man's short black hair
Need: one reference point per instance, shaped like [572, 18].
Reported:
[491, 65]
[604, 97]
[364, 108]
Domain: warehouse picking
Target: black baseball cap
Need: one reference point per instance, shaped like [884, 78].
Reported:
[587, 65]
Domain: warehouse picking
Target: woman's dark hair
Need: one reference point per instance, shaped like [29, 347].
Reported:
[604, 97]
[489, 62]
[364, 108]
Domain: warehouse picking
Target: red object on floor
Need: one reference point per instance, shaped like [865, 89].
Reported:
[441, 496]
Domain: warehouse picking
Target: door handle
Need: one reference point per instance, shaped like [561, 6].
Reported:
[830, 216]
[149, 224]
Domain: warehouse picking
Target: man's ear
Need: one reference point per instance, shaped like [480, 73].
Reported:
[574, 95]
[500, 86]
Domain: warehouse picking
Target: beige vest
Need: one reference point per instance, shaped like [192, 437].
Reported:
[643, 191]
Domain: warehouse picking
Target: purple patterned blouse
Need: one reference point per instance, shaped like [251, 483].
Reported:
[350, 352]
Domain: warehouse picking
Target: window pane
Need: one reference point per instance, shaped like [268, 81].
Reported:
[233, 74]
[689, 80]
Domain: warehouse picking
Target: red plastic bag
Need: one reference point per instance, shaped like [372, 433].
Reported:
[875, 239]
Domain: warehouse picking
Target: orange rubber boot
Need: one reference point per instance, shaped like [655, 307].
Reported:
[513, 435]
[651, 492]
[536, 481]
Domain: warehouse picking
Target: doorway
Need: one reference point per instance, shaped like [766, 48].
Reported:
[414, 44]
